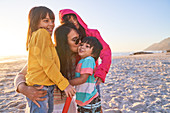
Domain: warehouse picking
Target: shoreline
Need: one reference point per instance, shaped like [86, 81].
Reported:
[142, 55]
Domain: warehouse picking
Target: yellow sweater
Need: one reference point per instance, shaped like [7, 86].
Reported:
[43, 62]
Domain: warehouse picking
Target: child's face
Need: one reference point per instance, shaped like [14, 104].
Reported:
[47, 24]
[84, 50]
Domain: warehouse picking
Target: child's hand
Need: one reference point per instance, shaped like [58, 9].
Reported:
[70, 91]
[98, 80]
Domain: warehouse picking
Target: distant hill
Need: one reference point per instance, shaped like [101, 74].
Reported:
[163, 45]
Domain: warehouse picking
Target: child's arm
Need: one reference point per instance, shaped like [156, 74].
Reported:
[85, 68]
[80, 80]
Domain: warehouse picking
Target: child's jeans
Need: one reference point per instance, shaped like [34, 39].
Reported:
[93, 107]
[46, 106]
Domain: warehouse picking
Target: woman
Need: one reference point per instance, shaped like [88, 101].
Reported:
[37, 19]
[70, 16]
[67, 40]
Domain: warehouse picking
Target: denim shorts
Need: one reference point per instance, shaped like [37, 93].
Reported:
[46, 106]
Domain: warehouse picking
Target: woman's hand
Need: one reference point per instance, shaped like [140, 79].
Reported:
[98, 80]
[70, 91]
[32, 92]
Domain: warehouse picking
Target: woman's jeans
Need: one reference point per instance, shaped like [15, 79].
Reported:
[46, 106]
[98, 90]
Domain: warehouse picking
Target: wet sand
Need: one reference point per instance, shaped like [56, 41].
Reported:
[138, 83]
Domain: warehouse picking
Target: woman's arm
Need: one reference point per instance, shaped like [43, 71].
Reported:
[20, 78]
[105, 56]
[33, 93]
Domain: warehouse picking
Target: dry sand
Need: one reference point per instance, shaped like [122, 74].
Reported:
[134, 84]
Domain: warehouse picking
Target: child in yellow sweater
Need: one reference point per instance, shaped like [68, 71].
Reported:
[43, 61]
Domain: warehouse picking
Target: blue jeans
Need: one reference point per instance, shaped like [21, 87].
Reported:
[98, 89]
[46, 106]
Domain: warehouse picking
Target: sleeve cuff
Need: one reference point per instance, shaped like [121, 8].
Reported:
[100, 74]
[16, 86]
[63, 84]
[18, 80]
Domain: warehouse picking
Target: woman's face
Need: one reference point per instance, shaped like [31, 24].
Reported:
[73, 37]
[47, 24]
[74, 21]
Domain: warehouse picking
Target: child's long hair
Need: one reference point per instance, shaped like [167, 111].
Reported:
[66, 19]
[34, 17]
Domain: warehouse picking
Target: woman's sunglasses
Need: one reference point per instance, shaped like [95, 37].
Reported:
[77, 40]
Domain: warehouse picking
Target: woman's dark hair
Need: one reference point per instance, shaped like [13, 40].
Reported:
[93, 42]
[65, 54]
[34, 17]
[66, 19]
[63, 50]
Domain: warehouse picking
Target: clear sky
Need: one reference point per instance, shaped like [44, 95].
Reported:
[126, 25]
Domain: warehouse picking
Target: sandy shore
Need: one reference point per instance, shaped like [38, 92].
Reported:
[134, 84]
[10, 101]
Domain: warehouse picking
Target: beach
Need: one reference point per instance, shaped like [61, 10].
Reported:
[134, 84]
[10, 101]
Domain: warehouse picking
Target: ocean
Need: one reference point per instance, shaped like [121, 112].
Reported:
[129, 53]
[5, 59]
[121, 53]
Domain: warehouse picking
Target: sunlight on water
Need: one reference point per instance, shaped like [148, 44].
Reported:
[5, 59]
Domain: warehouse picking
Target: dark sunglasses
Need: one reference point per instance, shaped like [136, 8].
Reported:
[77, 40]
